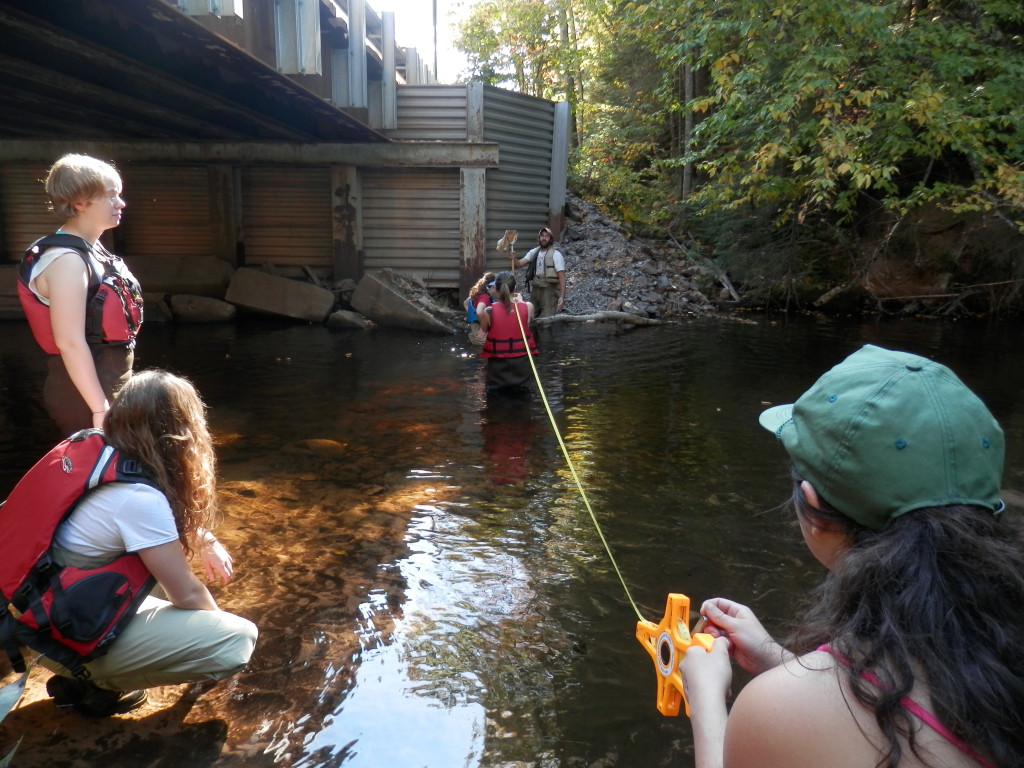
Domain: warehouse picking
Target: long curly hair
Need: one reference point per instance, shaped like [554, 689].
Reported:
[160, 420]
[480, 285]
[934, 597]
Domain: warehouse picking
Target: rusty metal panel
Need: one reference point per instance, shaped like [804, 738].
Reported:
[518, 190]
[411, 223]
[24, 209]
[431, 113]
[286, 217]
[167, 212]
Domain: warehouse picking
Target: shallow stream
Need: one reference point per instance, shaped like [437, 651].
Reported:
[430, 588]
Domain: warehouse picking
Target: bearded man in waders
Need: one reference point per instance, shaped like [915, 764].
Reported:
[546, 274]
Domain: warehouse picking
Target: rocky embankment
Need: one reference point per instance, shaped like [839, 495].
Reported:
[609, 275]
[607, 270]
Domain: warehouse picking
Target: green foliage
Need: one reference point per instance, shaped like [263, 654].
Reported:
[518, 44]
[804, 133]
[811, 106]
[626, 131]
[614, 165]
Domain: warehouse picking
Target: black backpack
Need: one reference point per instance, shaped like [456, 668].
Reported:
[531, 269]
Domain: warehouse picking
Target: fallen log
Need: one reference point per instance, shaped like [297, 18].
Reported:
[624, 317]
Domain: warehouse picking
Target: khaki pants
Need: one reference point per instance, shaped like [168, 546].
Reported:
[164, 645]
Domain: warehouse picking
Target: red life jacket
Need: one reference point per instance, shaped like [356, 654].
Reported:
[72, 615]
[505, 337]
[113, 311]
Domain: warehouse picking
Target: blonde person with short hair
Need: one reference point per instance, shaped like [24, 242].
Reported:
[83, 304]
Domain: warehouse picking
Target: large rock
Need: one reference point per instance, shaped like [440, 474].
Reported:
[263, 292]
[201, 309]
[380, 302]
[347, 319]
[156, 307]
[196, 275]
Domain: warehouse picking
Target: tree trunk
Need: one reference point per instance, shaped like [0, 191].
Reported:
[688, 95]
[623, 317]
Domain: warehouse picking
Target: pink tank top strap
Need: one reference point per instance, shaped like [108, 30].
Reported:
[915, 709]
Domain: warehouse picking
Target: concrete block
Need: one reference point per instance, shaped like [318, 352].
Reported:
[261, 292]
[346, 319]
[385, 306]
[156, 308]
[201, 309]
[10, 307]
[196, 275]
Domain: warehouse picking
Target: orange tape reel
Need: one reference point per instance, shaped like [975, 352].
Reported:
[666, 643]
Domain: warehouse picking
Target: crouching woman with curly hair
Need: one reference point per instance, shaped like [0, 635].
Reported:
[158, 419]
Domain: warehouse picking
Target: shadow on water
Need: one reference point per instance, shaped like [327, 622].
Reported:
[429, 587]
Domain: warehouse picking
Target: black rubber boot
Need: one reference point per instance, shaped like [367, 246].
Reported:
[92, 700]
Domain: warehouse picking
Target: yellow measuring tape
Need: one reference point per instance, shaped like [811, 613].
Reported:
[572, 468]
[665, 642]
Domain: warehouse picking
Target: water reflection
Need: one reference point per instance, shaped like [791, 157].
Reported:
[429, 586]
[508, 427]
[406, 685]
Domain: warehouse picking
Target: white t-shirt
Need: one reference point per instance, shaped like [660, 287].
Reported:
[553, 257]
[118, 518]
[48, 257]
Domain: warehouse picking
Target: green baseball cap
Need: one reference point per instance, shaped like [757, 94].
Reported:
[886, 432]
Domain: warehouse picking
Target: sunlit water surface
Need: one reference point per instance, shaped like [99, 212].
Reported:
[430, 587]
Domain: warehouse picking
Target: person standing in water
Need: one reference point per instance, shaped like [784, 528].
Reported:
[479, 292]
[83, 304]
[509, 339]
[910, 655]
[547, 286]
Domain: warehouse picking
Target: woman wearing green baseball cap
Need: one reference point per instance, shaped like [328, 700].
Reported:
[912, 653]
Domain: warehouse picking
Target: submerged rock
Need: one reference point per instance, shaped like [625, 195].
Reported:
[201, 309]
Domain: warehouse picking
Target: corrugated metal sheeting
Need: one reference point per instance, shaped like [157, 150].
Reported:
[431, 113]
[24, 209]
[286, 217]
[167, 211]
[412, 217]
[411, 222]
[517, 191]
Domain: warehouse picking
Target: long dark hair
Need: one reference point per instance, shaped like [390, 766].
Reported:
[937, 594]
[505, 285]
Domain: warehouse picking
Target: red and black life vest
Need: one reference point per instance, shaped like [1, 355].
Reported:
[72, 615]
[113, 313]
[505, 336]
